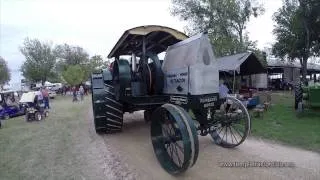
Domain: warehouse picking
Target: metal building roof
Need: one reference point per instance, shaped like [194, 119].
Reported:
[277, 63]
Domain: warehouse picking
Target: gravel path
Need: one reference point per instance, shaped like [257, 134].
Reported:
[105, 157]
[133, 157]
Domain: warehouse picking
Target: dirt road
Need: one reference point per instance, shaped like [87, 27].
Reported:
[134, 148]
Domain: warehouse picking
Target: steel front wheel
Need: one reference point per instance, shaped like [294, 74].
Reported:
[232, 124]
[174, 138]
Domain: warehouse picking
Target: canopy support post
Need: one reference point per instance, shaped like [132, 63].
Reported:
[234, 79]
[144, 50]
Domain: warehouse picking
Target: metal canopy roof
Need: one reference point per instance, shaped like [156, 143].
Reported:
[274, 63]
[158, 38]
[243, 63]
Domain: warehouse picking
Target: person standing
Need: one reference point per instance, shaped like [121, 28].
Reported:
[39, 95]
[64, 90]
[39, 100]
[81, 91]
[223, 90]
[45, 94]
[85, 90]
[74, 93]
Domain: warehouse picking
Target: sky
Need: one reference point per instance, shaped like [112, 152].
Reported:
[95, 25]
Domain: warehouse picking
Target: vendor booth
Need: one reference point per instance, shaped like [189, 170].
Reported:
[244, 74]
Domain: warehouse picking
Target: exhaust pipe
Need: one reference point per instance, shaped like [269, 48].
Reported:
[134, 62]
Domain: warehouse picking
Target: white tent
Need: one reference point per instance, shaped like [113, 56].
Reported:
[88, 83]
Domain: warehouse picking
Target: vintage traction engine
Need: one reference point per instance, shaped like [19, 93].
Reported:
[180, 95]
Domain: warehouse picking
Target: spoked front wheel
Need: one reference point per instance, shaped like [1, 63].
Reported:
[232, 123]
[174, 138]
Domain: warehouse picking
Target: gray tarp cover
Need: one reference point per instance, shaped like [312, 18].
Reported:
[243, 63]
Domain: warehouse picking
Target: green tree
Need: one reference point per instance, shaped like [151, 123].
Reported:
[55, 77]
[4, 73]
[73, 75]
[40, 60]
[297, 31]
[71, 55]
[224, 20]
[262, 56]
[96, 62]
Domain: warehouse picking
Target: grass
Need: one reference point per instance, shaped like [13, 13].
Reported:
[282, 124]
[47, 149]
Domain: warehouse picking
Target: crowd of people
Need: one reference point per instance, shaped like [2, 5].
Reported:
[67, 89]
[77, 92]
[42, 96]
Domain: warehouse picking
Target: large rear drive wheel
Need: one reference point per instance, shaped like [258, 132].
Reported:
[108, 112]
[174, 138]
[232, 124]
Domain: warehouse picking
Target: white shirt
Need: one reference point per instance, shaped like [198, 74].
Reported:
[39, 94]
[81, 89]
[223, 91]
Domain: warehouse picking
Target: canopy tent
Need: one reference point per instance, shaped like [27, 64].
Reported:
[242, 64]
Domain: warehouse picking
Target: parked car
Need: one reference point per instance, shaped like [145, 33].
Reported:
[52, 94]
